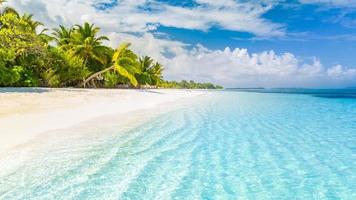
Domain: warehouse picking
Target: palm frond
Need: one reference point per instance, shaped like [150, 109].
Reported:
[123, 72]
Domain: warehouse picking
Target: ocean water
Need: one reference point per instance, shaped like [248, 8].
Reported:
[224, 145]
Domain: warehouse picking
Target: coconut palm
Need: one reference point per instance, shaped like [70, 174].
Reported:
[86, 43]
[143, 76]
[62, 36]
[150, 72]
[156, 73]
[33, 24]
[124, 62]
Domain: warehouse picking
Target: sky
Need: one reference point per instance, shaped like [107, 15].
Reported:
[234, 43]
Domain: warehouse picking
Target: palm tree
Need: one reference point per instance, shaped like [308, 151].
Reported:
[62, 36]
[44, 37]
[34, 25]
[28, 18]
[123, 62]
[150, 72]
[86, 44]
[143, 76]
[156, 73]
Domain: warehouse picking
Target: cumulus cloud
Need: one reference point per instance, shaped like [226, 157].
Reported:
[129, 21]
[239, 68]
[147, 44]
[339, 72]
[130, 16]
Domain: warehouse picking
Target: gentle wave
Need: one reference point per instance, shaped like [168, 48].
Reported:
[228, 146]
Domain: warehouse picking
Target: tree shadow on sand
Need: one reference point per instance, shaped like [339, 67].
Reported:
[23, 90]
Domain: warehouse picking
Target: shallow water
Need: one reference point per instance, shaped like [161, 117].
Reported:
[227, 145]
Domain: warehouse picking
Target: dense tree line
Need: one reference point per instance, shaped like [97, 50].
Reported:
[72, 57]
[189, 85]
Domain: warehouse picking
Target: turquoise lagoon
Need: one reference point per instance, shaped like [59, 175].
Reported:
[223, 145]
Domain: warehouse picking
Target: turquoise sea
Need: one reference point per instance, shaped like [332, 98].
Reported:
[230, 144]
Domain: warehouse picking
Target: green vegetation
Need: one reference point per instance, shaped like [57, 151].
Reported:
[188, 85]
[72, 57]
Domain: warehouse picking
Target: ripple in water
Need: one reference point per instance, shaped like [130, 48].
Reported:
[232, 145]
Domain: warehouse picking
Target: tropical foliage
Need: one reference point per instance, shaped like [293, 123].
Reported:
[150, 72]
[31, 55]
[188, 85]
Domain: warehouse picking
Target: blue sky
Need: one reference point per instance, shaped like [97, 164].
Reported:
[236, 43]
[328, 33]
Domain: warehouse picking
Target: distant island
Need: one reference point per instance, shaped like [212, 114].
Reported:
[73, 57]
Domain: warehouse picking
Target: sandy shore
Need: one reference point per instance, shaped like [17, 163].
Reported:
[24, 115]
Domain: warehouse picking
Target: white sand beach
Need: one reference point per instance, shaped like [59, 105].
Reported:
[25, 115]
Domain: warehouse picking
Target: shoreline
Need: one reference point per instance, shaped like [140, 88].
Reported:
[26, 115]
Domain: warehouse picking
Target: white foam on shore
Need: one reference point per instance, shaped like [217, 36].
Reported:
[23, 116]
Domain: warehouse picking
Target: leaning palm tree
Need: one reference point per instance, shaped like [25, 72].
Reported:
[123, 63]
[86, 44]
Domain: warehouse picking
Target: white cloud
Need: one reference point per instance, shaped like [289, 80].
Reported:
[339, 72]
[147, 44]
[130, 17]
[333, 3]
[239, 68]
[230, 67]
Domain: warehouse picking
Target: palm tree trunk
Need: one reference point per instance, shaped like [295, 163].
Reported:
[95, 75]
